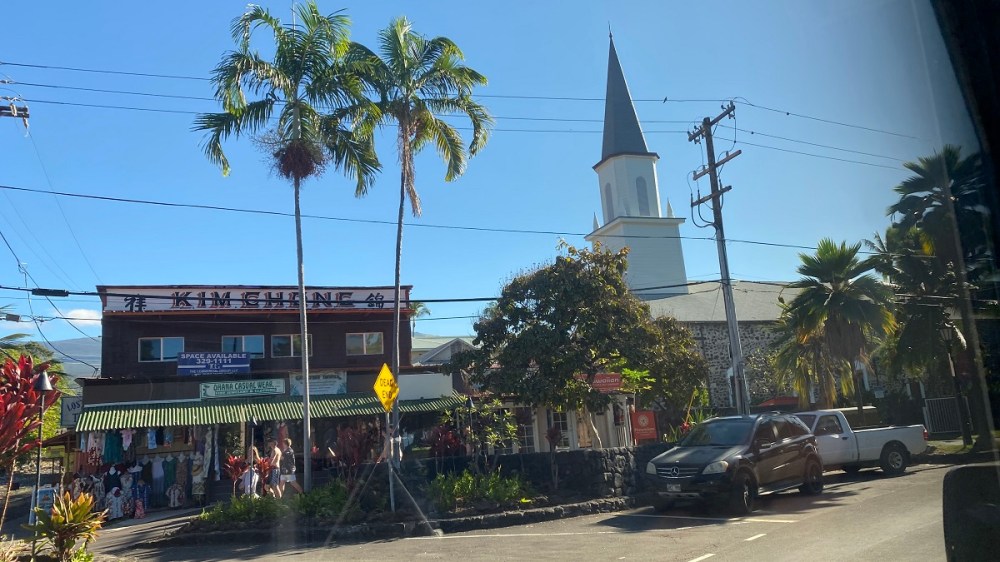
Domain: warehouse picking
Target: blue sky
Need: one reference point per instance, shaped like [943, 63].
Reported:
[874, 64]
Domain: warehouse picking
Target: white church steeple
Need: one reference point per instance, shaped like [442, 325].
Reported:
[630, 197]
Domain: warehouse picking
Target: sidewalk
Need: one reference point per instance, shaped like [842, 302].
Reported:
[953, 451]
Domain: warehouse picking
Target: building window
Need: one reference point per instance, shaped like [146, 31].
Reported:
[561, 421]
[609, 203]
[525, 435]
[643, 196]
[289, 345]
[367, 343]
[160, 349]
[254, 345]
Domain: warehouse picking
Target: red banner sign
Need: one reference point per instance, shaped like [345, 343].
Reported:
[644, 425]
[604, 382]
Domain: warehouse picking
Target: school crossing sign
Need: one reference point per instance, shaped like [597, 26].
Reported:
[386, 388]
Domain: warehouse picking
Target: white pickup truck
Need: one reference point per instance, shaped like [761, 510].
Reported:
[841, 447]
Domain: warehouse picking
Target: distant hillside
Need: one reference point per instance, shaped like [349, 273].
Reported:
[83, 351]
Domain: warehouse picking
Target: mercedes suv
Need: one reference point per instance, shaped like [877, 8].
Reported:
[731, 460]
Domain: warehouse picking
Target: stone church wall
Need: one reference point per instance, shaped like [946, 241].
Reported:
[712, 339]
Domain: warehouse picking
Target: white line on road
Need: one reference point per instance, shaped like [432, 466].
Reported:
[700, 558]
[755, 537]
[717, 519]
[501, 535]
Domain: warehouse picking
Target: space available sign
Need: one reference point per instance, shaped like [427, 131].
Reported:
[208, 363]
[215, 299]
[230, 389]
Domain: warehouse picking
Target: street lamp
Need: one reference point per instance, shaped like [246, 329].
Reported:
[42, 386]
[948, 335]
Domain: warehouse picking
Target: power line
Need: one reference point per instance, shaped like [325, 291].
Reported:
[738, 99]
[758, 133]
[745, 143]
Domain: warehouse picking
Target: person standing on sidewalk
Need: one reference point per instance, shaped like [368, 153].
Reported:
[288, 468]
[274, 476]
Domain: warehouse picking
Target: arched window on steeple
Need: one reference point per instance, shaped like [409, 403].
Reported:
[609, 204]
[642, 196]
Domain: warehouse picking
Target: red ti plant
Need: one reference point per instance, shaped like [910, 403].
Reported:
[234, 466]
[353, 448]
[19, 413]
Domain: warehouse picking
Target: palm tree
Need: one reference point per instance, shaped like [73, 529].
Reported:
[309, 101]
[841, 306]
[415, 82]
[940, 182]
[944, 198]
[419, 309]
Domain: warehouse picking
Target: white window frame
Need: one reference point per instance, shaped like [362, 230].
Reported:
[161, 339]
[291, 346]
[364, 343]
[243, 346]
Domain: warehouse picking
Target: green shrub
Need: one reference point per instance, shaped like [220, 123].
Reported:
[326, 502]
[245, 509]
[450, 492]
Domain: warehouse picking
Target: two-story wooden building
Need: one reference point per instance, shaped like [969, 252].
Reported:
[185, 367]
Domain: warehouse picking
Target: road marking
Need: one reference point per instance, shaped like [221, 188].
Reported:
[716, 519]
[501, 535]
[700, 558]
[755, 537]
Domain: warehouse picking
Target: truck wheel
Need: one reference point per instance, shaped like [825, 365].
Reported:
[894, 459]
[741, 495]
[812, 480]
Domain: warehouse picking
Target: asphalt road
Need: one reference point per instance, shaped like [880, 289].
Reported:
[862, 517]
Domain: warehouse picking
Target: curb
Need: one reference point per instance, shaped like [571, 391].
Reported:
[300, 535]
[955, 458]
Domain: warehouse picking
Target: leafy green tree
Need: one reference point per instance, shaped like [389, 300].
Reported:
[415, 82]
[483, 426]
[555, 328]
[673, 375]
[309, 100]
[840, 311]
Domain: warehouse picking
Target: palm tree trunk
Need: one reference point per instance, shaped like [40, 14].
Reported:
[306, 429]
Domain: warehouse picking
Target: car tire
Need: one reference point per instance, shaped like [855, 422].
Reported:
[852, 470]
[742, 494]
[894, 459]
[661, 504]
[812, 479]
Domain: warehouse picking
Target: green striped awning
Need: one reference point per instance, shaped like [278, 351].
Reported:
[208, 412]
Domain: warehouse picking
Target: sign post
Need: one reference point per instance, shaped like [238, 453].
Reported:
[387, 391]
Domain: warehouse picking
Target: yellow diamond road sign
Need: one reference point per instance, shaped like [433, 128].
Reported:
[386, 388]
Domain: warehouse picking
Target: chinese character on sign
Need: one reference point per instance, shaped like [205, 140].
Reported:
[135, 303]
[375, 300]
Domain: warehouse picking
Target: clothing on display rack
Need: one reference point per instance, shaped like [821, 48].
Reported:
[127, 435]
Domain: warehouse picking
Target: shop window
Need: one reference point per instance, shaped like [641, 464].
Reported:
[254, 345]
[160, 349]
[367, 343]
[289, 345]
[560, 420]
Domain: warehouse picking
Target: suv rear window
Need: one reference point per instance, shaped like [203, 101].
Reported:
[807, 419]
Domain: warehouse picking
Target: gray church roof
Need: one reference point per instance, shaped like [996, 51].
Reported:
[755, 302]
[622, 134]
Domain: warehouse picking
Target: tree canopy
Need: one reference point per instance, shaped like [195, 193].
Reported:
[553, 329]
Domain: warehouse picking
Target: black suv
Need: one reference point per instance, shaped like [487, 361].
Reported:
[732, 460]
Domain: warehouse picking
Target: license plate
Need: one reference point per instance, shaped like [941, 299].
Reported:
[673, 487]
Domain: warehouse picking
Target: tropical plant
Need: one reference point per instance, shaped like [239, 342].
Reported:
[414, 82]
[314, 95]
[11, 549]
[450, 491]
[19, 409]
[444, 443]
[67, 524]
[327, 502]
[838, 314]
[486, 426]
[245, 510]
[233, 467]
[352, 449]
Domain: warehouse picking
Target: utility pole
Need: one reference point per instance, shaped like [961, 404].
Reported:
[11, 110]
[740, 391]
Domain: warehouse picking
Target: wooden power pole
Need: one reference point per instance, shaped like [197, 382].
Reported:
[740, 391]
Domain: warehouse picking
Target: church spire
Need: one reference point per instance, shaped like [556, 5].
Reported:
[622, 134]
